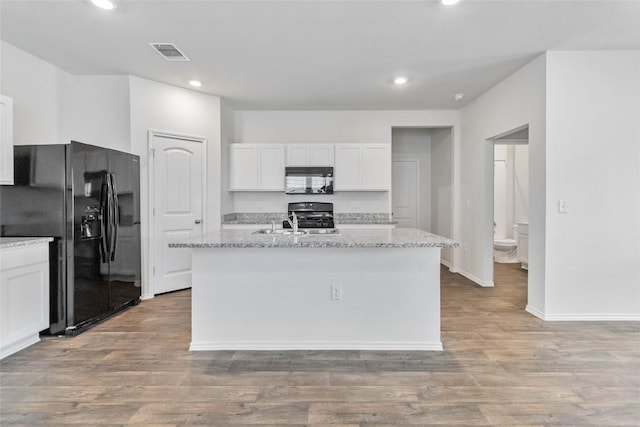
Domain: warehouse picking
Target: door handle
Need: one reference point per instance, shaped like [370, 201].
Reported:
[198, 221]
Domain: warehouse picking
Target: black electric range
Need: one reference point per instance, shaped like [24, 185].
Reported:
[311, 215]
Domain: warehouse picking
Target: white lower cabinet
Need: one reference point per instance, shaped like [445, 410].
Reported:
[522, 239]
[24, 296]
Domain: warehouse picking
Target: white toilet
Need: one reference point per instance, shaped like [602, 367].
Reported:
[505, 250]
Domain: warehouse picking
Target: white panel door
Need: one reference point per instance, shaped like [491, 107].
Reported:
[177, 184]
[405, 193]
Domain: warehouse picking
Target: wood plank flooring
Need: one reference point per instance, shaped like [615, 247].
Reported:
[501, 366]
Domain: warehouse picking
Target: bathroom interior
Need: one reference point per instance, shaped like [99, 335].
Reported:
[511, 198]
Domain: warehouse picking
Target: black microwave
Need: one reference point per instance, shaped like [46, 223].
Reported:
[308, 180]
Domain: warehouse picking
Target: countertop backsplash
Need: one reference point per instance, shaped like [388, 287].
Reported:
[340, 218]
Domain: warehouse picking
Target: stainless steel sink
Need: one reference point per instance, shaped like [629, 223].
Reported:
[279, 231]
[286, 231]
[322, 230]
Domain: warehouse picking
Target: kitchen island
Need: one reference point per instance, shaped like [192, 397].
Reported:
[364, 289]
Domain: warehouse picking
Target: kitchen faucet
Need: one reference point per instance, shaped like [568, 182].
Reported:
[294, 223]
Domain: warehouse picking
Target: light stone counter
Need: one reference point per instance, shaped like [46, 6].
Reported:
[12, 242]
[357, 238]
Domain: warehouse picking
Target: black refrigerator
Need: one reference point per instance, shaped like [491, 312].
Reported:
[88, 199]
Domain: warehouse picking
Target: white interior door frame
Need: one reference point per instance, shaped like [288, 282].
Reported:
[151, 179]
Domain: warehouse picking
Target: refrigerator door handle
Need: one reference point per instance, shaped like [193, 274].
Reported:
[116, 217]
[104, 218]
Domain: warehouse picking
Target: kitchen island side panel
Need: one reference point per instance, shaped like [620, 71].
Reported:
[281, 298]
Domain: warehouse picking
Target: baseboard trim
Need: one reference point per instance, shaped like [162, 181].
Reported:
[315, 345]
[535, 312]
[590, 317]
[446, 263]
[20, 344]
[483, 283]
[584, 317]
[146, 297]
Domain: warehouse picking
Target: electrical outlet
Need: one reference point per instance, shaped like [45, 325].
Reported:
[336, 292]
[562, 206]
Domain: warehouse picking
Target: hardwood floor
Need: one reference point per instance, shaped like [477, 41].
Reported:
[501, 366]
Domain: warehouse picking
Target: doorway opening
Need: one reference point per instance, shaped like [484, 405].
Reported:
[422, 181]
[511, 201]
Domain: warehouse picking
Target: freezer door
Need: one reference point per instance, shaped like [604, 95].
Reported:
[125, 264]
[89, 298]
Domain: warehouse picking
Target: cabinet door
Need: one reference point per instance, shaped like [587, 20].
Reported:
[271, 168]
[523, 248]
[347, 167]
[297, 155]
[24, 296]
[6, 140]
[375, 167]
[243, 167]
[321, 155]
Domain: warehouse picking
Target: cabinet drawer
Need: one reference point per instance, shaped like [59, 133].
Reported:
[23, 255]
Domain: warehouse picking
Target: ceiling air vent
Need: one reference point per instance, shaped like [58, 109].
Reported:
[169, 51]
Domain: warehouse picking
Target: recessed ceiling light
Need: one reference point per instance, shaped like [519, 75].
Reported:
[400, 80]
[104, 4]
[458, 96]
[195, 83]
[449, 2]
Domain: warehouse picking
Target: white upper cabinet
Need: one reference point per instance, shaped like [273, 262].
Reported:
[357, 167]
[362, 167]
[6, 141]
[347, 167]
[256, 167]
[243, 167]
[310, 154]
[271, 167]
[375, 167]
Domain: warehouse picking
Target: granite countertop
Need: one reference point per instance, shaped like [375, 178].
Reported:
[12, 242]
[361, 238]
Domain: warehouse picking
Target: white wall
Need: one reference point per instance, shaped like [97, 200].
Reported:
[227, 136]
[415, 144]
[502, 200]
[593, 162]
[36, 88]
[52, 106]
[441, 187]
[97, 111]
[521, 183]
[161, 107]
[328, 127]
[511, 188]
[516, 101]
[333, 126]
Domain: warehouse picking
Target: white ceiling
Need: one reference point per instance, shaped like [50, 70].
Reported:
[319, 55]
